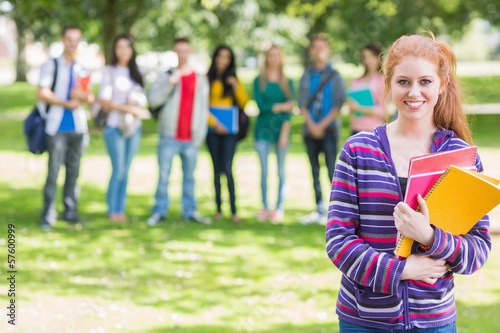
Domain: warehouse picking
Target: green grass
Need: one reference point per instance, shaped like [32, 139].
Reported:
[255, 277]
[20, 96]
[481, 90]
[484, 129]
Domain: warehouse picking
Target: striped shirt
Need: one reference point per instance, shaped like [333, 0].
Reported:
[361, 236]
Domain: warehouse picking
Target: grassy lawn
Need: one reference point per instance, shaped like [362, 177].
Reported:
[180, 276]
[257, 277]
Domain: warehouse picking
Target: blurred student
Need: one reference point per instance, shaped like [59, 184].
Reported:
[366, 118]
[321, 95]
[273, 94]
[121, 85]
[182, 123]
[66, 126]
[225, 91]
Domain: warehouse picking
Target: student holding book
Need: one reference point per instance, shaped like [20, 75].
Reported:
[121, 82]
[226, 91]
[368, 117]
[60, 96]
[379, 291]
[273, 94]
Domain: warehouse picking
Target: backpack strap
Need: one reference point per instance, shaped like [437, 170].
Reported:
[323, 83]
[47, 106]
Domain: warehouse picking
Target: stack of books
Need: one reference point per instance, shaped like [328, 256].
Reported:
[457, 197]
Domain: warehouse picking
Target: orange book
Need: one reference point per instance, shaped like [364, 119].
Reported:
[459, 199]
[423, 172]
[83, 83]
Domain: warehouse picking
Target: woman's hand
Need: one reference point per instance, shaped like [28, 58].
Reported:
[424, 268]
[412, 224]
[353, 105]
[277, 108]
[220, 129]
[232, 80]
[283, 141]
[136, 111]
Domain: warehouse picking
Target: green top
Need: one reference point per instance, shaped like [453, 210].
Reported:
[268, 125]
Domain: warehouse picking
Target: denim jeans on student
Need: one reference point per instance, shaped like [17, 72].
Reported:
[263, 148]
[222, 149]
[327, 145]
[167, 148]
[346, 327]
[67, 149]
[121, 151]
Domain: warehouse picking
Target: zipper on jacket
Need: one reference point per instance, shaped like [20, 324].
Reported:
[407, 306]
[387, 150]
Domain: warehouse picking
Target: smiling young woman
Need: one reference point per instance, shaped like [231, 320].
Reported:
[379, 291]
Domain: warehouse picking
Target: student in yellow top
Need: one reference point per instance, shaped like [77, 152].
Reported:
[225, 91]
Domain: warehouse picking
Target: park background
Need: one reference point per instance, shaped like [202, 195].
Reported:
[184, 277]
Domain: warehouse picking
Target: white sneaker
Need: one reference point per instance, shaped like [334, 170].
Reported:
[196, 217]
[155, 219]
[313, 218]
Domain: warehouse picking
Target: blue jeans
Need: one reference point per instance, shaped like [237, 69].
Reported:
[346, 327]
[167, 148]
[121, 151]
[327, 145]
[263, 148]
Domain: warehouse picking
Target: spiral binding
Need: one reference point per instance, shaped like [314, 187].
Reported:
[426, 196]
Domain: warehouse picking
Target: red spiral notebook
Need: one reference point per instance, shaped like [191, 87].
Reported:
[423, 172]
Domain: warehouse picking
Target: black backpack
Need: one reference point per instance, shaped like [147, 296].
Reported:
[34, 124]
[243, 122]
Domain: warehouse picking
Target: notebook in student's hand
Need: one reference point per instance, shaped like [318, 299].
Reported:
[460, 198]
[423, 171]
[227, 116]
[83, 83]
[363, 96]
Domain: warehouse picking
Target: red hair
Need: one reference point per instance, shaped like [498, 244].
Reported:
[448, 112]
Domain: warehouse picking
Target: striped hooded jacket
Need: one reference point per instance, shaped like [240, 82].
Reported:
[361, 236]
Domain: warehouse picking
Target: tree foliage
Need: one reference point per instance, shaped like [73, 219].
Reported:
[249, 25]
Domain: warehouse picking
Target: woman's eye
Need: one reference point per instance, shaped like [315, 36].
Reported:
[426, 81]
[403, 82]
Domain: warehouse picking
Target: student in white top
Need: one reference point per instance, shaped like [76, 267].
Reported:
[121, 83]
[66, 125]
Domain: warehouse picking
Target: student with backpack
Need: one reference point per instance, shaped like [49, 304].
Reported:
[225, 91]
[182, 123]
[321, 96]
[66, 125]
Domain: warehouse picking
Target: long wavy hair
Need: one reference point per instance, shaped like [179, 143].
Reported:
[283, 82]
[229, 71]
[135, 75]
[448, 112]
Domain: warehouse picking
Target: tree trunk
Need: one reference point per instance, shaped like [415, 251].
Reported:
[21, 67]
[109, 22]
